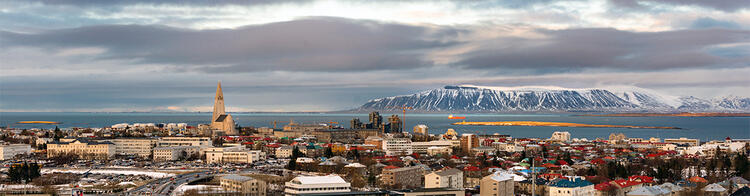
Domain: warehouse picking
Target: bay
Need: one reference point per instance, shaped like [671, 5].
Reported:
[703, 128]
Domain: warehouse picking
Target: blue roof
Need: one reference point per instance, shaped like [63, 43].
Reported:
[571, 184]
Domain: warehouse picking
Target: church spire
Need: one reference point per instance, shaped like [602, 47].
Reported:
[218, 103]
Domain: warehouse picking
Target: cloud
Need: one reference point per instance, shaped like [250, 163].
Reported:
[165, 2]
[707, 22]
[310, 44]
[578, 49]
[729, 6]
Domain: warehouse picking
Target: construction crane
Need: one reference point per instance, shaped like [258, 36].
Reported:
[403, 109]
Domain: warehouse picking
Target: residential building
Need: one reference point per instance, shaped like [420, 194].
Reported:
[185, 141]
[84, 148]
[316, 185]
[243, 185]
[376, 141]
[435, 150]
[284, 151]
[420, 129]
[429, 192]
[574, 187]
[7, 152]
[397, 146]
[174, 153]
[499, 183]
[402, 177]
[421, 147]
[446, 178]
[238, 154]
[141, 147]
[683, 141]
[469, 141]
[560, 136]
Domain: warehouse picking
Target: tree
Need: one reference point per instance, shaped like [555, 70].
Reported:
[24, 172]
[742, 165]
[58, 134]
[328, 152]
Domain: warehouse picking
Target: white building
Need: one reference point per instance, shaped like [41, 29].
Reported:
[434, 150]
[185, 141]
[560, 136]
[421, 147]
[316, 185]
[82, 147]
[574, 187]
[9, 151]
[447, 178]
[141, 147]
[397, 146]
[683, 141]
[243, 185]
[174, 153]
[420, 129]
[238, 154]
[499, 183]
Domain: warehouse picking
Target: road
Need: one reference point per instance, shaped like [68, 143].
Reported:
[165, 186]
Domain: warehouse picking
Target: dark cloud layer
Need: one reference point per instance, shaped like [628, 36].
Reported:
[165, 2]
[576, 49]
[312, 44]
[728, 5]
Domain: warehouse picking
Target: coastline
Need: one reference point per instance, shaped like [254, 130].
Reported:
[557, 124]
[683, 114]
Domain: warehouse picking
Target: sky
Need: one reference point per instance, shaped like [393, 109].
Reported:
[306, 55]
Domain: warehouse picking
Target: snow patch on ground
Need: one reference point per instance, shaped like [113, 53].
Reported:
[209, 188]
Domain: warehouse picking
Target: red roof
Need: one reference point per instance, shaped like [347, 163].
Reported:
[471, 168]
[626, 183]
[697, 179]
[550, 165]
[604, 186]
[391, 167]
[551, 176]
[562, 162]
[642, 179]
[598, 161]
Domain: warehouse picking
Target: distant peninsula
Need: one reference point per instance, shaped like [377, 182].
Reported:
[683, 114]
[557, 124]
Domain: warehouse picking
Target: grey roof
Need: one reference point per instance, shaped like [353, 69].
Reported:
[448, 172]
[738, 180]
[237, 178]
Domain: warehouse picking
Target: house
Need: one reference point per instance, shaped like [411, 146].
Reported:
[243, 185]
[574, 187]
[446, 178]
[714, 189]
[499, 183]
[402, 177]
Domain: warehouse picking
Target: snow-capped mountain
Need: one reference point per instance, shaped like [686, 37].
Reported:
[470, 98]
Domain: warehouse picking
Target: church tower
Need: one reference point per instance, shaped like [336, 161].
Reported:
[220, 120]
[218, 103]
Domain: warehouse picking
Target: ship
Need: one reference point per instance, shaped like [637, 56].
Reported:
[456, 117]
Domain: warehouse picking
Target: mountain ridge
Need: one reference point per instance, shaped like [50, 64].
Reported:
[483, 99]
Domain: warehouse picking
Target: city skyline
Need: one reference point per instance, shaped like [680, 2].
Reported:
[335, 55]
